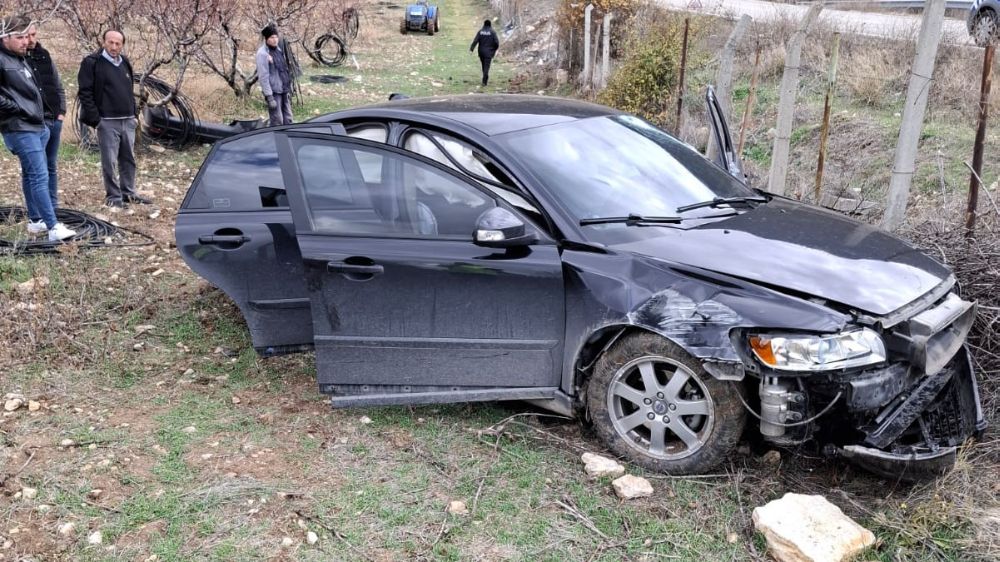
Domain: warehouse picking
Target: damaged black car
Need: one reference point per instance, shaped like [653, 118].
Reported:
[481, 248]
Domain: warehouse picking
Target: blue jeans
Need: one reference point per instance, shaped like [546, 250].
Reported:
[30, 149]
[51, 158]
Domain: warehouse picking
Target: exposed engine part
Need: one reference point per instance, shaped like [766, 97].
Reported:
[778, 406]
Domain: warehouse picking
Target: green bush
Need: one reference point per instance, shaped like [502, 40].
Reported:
[646, 83]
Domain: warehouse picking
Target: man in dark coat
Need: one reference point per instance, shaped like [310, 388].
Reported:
[22, 123]
[275, 77]
[107, 102]
[54, 108]
[488, 43]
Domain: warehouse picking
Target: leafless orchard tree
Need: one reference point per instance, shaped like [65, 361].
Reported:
[172, 33]
[39, 11]
[89, 19]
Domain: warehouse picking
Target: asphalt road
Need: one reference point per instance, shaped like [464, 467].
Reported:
[887, 25]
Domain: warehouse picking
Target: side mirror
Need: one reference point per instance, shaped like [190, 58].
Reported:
[500, 228]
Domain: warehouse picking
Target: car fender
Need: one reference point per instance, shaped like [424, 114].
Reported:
[609, 294]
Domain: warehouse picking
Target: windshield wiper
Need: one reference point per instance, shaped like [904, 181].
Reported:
[722, 201]
[632, 220]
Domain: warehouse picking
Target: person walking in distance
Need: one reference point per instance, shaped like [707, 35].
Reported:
[54, 106]
[488, 43]
[107, 102]
[275, 78]
[22, 124]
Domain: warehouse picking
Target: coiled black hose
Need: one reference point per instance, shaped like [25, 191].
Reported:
[183, 126]
[334, 58]
[91, 232]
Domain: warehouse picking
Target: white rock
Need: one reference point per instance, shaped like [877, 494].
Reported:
[67, 443]
[29, 493]
[287, 542]
[34, 406]
[12, 404]
[189, 429]
[457, 507]
[801, 528]
[66, 528]
[597, 466]
[95, 538]
[311, 538]
[366, 420]
[629, 487]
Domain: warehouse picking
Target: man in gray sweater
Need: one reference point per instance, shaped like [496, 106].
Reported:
[275, 77]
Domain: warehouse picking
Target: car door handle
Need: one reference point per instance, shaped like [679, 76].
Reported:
[224, 239]
[341, 267]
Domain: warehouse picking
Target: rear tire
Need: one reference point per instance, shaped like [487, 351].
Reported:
[430, 28]
[651, 402]
[402, 26]
[437, 26]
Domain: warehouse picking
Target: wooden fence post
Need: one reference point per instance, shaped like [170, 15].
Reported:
[824, 131]
[975, 180]
[786, 103]
[680, 85]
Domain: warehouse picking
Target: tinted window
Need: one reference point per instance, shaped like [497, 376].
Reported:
[614, 166]
[410, 198]
[241, 175]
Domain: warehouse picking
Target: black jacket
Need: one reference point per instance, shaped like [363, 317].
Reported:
[488, 42]
[20, 101]
[105, 90]
[47, 77]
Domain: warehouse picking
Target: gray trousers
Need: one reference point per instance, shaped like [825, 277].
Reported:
[281, 115]
[116, 137]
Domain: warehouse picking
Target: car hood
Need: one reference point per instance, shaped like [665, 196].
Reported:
[808, 250]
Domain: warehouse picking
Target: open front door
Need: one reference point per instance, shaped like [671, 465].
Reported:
[405, 307]
[725, 154]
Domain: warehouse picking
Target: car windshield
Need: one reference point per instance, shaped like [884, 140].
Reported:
[618, 166]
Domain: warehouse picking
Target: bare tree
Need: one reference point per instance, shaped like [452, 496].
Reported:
[174, 32]
[89, 19]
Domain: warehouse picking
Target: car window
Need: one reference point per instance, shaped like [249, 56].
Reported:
[371, 164]
[241, 175]
[409, 199]
[471, 160]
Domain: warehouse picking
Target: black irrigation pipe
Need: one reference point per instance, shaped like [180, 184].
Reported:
[335, 59]
[91, 232]
[179, 106]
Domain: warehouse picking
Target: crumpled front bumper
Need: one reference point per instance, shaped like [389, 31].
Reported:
[917, 433]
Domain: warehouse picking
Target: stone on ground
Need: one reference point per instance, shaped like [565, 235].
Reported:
[458, 508]
[801, 528]
[597, 466]
[629, 487]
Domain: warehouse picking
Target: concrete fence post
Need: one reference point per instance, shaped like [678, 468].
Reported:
[913, 114]
[585, 77]
[606, 51]
[724, 77]
[786, 103]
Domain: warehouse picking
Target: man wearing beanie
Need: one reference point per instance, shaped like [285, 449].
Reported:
[275, 78]
[488, 43]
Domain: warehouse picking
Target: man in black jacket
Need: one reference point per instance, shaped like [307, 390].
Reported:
[22, 122]
[107, 102]
[54, 108]
[488, 43]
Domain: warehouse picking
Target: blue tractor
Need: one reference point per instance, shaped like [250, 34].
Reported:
[420, 17]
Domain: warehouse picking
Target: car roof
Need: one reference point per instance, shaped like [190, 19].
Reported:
[490, 114]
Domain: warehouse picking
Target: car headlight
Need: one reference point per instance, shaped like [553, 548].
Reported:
[800, 352]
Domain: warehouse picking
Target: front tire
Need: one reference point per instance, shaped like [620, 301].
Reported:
[402, 26]
[986, 27]
[651, 402]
